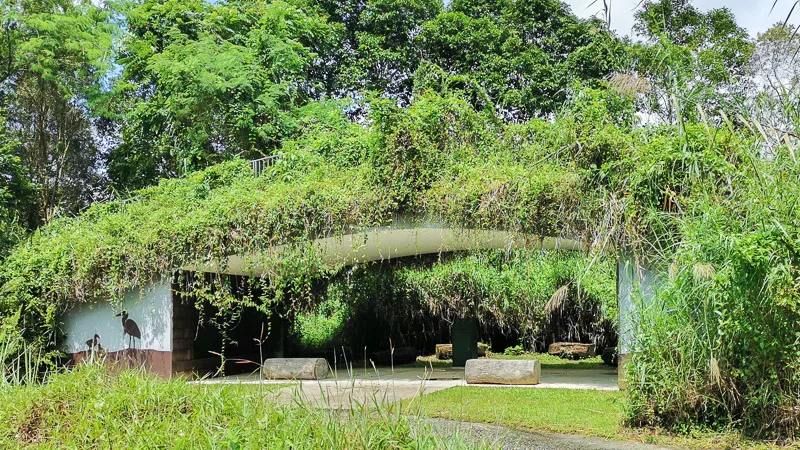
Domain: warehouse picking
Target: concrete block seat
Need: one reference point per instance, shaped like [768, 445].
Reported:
[502, 371]
[295, 369]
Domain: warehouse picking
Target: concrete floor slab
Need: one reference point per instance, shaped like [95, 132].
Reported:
[561, 378]
[343, 390]
[358, 393]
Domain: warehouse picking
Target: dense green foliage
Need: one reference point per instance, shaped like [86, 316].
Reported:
[203, 82]
[508, 292]
[778, 81]
[484, 114]
[15, 191]
[90, 408]
[317, 189]
[54, 55]
[225, 79]
[691, 59]
[589, 174]
[542, 297]
[718, 344]
[522, 54]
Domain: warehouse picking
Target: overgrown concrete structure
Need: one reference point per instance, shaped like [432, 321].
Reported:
[172, 342]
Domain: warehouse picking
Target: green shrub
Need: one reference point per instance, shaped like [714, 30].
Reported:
[323, 326]
[718, 344]
[516, 350]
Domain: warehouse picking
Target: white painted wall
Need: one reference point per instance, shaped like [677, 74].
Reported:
[150, 308]
[635, 284]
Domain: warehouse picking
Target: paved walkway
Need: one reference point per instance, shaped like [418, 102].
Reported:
[495, 436]
[343, 390]
[604, 379]
[356, 394]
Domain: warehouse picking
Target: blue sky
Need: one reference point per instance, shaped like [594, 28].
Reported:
[754, 15]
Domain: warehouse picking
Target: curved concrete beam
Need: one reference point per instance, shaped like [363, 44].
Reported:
[385, 243]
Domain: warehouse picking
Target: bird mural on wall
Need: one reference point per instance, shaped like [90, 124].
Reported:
[94, 343]
[95, 349]
[130, 328]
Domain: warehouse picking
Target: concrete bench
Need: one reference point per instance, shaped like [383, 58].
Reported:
[502, 371]
[295, 368]
[573, 350]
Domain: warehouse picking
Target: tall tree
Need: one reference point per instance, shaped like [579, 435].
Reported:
[15, 194]
[775, 70]
[377, 52]
[202, 82]
[691, 58]
[524, 54]
[55, 55]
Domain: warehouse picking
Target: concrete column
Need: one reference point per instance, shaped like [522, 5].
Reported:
[464, 336]
[635, 288]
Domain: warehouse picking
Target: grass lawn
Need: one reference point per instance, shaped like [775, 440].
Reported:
[569, 411]
[596, 413]
[88, 407]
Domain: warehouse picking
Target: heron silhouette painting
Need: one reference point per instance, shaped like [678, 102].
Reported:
[94, 343]
[94, 347]
[130, 329]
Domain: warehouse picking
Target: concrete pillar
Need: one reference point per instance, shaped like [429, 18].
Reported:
[465, 341]
[277, 337]
[635, 288]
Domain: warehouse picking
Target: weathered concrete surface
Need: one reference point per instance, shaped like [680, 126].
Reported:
[602, 379]
[563, 378]
[502, 371]
[405, 237]
[355, 394]
[574, 350]
[295, 368]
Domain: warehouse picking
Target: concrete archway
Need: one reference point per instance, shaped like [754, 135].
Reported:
[398, 241]
[173, 352]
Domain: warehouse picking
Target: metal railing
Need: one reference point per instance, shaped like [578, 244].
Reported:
[259, 165]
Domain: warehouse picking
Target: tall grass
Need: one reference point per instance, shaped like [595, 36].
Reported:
[90, 407]
[20, 362]
[718, 346]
